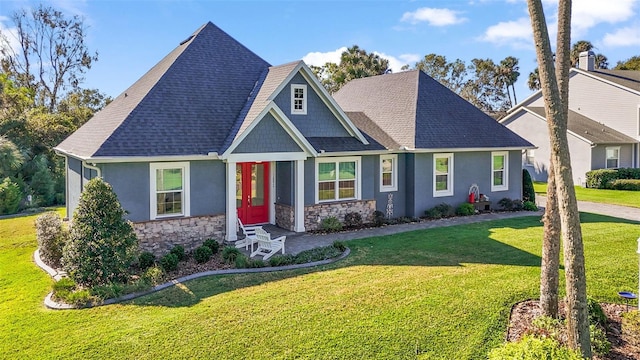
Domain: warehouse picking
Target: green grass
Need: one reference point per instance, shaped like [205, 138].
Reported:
[615, 197]
[440, 293]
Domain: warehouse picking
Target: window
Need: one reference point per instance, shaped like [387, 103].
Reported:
[388, 173]
[499, 171]
[169, 183]
[530, 157]
[338, 179]
[442, 174]
[299, 99]
[613, 157]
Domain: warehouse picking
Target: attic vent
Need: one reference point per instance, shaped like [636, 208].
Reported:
[186, 40]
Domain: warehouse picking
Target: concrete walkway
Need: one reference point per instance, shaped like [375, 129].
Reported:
[622, 212]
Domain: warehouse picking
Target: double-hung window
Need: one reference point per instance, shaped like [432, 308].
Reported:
[442, 174]
[388, 173]
[530, 157]
[169, 184]
[499, 171]
[337, 179]
[613, 157]
[298, 99]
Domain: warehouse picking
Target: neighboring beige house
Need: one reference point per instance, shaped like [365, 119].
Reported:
[603, 127]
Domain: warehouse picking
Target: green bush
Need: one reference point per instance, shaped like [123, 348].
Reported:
[379, 218]
[631, 327]
[339, 245]
[353, 219]
[516, 205]
[178, 251]
[600, 179]
[440, 211]
[66, 290]
[528, 192]
[532, 348]
[146, 260]
[281, 260]
[153, 275]
[202, 254]
[433, 213]
[230, 253]
[596, 314]
[169, 262]
[465, 209]
[10, 196]
[51, 237]
[212, 244]
[626, 184]
[79, 298]
[506, 204]
[529, 206]
[331, 224]
[547, 327]
[102, 244]
[600, 345]
[241, 261]
[65, 284]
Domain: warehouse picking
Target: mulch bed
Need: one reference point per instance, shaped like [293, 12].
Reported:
[523, 313]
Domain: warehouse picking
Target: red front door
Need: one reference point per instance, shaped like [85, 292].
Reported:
[252, 192]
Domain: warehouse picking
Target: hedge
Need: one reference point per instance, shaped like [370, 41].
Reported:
[626, 184]
[604, 178]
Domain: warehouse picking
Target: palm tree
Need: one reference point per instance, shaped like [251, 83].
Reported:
[534, 80]
[508, 72]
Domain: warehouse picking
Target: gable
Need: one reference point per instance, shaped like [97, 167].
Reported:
[268, 136]
[319, 120]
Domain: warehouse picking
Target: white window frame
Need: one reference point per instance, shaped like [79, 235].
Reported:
[394, 173]
[337, 161]
[449, 190]
[505, 170]
[530, 157]
[186, 206]
[302, 111]
[606, 159]
[638, 122]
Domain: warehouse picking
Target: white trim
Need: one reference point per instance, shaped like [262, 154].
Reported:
[298, 216]
[186, 206]
[121, 159]
[594, 76]
[92, 167]
[272, 192]
[337, 160]
[232, 212]
[606, 158]
[254, 157]
[638, 121]
[394, 173]
[305, 95]
[505, 171]
[449, 191]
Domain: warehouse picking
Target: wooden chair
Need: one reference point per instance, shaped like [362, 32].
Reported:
[267, 247]
[249, 235]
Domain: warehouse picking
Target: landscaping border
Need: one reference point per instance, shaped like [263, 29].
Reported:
[51, 304]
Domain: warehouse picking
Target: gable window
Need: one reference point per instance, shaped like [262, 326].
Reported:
[613, 157]
[530, 157]
[499, 171]
[169, 184]
[388, 173]
[299, 99]
[337, 179]
[442, 174]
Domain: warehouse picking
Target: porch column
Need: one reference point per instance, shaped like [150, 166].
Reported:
[299, 197]
[231, 212]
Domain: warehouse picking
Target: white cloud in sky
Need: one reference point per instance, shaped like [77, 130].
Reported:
[515, 33]
[435, 17]
[11, 33]
[627, 36]
[395, 62]
[587, 13]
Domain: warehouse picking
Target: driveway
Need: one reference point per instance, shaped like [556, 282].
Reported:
[622, 212]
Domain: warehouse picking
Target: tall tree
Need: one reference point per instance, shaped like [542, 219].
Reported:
[534, 80]
[508, 72]
[52, 56]
[557, 114]
[601, 61]
[450, 74]
[354, 63]
[485, 89]
[632, 63]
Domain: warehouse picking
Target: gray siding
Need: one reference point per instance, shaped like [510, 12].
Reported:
[208, 187]
[285, 181]
[319, 120]
[399, 199]
[368, 169]
[309, 181]
[130, 181]
[267, 136]
[599, 156]
[74, 184]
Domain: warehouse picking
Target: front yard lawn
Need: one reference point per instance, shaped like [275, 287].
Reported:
[615, 197]
[443, 293]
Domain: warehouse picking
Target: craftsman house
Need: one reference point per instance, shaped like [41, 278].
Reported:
[603, 126]
[213, 132]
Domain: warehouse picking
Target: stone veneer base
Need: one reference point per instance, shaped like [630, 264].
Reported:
[314, 214]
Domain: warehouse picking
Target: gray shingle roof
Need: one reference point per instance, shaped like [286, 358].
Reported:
[416, 111]
[591, 130]
[343, 144]
[367, 126]
[186, 104]
[626, 78]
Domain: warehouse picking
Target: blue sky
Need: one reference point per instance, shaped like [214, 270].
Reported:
[131, 36]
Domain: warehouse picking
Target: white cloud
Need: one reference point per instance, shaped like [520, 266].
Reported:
[396, 63]
[321, 58]
[587, 13]
[10, 33]
[627, 36]
[435, 17]
[516, 33]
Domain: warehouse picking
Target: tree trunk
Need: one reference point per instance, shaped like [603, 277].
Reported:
[556, 113]
[550, 251]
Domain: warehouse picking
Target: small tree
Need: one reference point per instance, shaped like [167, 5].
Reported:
[102, 245]
[528, 192]
[10, 196]
[51, 237]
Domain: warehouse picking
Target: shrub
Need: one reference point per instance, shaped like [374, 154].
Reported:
[339, 245]
[153, 275]
[433, 213]
[178, 251]
[516, 205]
[596, 314]
[212, 244]
[529, 206]
[600, 179]
[547, 327]
[102, 244]
[600, 345]
[506, 204]
[532, 348]
[146, 260]
[626, 184]
[51, 237]
[281, 260]
[169, 262]
[440, 211]
[465, 209]
[331, 224]
[379, 218]
[242, 261]
[65, 284]
[202, 254]
[631, 327]
[353, 219]
[66, 290]
[79, 298]
[230, 253]
[10, 196]
[528, 192]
